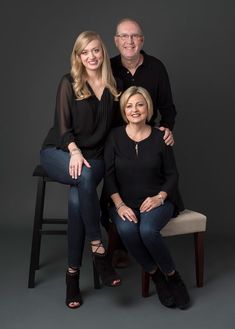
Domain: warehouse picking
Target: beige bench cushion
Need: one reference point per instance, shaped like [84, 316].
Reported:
[187, 221]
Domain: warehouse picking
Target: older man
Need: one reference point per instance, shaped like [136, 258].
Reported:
[133, 67]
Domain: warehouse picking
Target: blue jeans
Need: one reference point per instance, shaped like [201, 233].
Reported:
[83, 201]
[143, 240]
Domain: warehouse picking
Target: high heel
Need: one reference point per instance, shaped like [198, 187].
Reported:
[104, 267]
[73, 294]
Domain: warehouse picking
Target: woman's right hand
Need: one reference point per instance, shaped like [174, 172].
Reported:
[127, 213]
[75, 165]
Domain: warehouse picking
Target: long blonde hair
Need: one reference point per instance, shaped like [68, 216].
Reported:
[78, 70]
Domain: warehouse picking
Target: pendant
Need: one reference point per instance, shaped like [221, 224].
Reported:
[136, 149]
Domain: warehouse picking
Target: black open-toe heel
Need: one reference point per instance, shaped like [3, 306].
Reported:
[103, 266]
[73, 294]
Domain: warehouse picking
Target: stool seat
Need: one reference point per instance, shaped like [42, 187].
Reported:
[187, 221]
[39, 171]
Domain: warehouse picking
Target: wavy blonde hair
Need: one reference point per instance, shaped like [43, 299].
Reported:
[131, 91]
[78, 71]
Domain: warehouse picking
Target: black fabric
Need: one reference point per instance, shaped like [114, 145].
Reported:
[151, 75]
[85, 122]
[138, 177]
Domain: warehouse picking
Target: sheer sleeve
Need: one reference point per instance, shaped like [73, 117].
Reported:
[63, 114]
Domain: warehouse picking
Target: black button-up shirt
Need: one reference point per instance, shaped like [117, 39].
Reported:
[151, 75]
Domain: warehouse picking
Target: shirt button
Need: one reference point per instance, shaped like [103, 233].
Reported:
[133, 80]
[127, 72]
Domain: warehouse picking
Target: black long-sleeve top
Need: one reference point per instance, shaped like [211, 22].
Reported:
[85, 122]
[136, 176]
[151, 75]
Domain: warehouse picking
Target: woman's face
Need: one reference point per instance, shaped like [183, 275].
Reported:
[136, 109]
[92, 56]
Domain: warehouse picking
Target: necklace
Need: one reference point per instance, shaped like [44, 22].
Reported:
[136, 148]
[145, 134]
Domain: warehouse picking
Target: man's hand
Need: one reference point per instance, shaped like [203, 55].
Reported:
[168, 136]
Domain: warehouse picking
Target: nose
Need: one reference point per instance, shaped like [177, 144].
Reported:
[130, 39]
[92, 54]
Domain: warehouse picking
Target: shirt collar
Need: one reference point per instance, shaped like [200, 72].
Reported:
[145, 61]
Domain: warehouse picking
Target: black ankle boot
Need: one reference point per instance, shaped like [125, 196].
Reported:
[163, 292]
[179, 291]
[73, 293]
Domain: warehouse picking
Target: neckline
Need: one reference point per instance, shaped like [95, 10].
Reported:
[142, 140]
[138, 63]
[94, 94]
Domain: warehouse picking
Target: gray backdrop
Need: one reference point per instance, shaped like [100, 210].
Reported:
[195, 41]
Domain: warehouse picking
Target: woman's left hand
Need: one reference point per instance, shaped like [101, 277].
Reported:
[150, 203]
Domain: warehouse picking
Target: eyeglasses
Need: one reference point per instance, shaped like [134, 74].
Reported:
[125, 37]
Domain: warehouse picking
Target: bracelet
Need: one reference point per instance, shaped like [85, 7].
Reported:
[161, 198]
[120, 205]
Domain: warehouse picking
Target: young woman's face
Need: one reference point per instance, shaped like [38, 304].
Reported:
[136, 109]
[92, 56]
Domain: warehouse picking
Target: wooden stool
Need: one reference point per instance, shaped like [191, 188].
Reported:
[38, 229]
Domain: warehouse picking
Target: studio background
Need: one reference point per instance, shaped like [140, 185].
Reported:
[194, 39]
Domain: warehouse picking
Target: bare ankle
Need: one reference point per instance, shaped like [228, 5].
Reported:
[72, 270]
[97, 247]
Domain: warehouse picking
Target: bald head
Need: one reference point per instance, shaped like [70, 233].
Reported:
[123, 21]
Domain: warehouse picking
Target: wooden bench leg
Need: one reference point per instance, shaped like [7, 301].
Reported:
[199, 257]
[145, 283]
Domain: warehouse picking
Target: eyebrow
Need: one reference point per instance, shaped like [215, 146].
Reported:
[91, 48]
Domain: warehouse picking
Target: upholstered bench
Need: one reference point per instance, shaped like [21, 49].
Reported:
[187, 222]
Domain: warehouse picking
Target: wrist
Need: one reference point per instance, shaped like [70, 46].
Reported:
[121, 204]
[161, 197]
[75, 151]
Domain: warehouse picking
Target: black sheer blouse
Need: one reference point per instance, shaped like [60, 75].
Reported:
[85, 122]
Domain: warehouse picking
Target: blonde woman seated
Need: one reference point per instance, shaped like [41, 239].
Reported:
[72, 153]
[141, 178]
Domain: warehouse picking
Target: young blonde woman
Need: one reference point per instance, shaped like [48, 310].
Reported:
[141, 179]
[72, 153]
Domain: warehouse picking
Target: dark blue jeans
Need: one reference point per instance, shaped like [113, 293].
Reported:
[143, 240]
[83, 201]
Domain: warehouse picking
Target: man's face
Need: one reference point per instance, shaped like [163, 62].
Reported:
[129, 40]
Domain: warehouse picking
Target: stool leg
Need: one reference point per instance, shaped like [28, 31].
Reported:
[113, 238]
[96, 277]
[199, 257]
[36, 239]
[145, 283]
